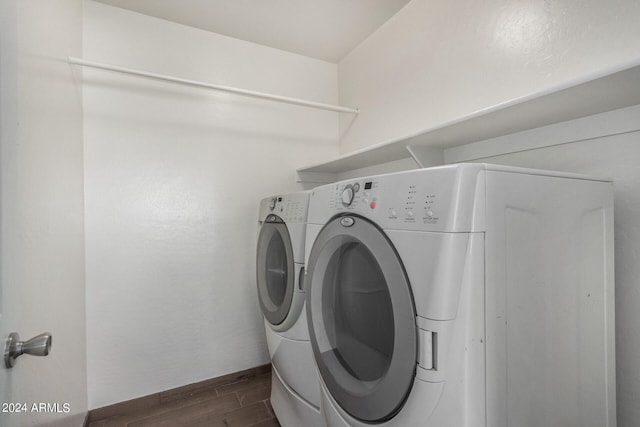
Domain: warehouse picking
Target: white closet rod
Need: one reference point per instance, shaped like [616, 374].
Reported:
[295, 101]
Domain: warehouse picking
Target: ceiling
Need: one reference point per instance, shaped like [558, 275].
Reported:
[322, 29]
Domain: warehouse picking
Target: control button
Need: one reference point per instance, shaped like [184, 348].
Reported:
[393, 213]
[347, 195]
[409, 214]
[373, 204]
[347, 221]
[272, 203]
[356, 187]
[429, 214]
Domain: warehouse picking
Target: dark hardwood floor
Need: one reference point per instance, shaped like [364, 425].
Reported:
[236, 400]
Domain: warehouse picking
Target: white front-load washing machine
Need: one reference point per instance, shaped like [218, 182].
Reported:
[463, 295]
[295, 393]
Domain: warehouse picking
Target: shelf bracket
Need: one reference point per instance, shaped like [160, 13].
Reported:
[426, 156]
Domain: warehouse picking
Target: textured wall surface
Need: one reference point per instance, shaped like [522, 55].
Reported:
[174, 176]
[437, 60]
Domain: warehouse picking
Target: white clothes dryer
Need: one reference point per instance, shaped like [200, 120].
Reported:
[463, 295]
[295, 392]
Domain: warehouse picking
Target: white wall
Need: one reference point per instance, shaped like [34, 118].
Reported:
[437, 60]
[42, 213]
[173, 179]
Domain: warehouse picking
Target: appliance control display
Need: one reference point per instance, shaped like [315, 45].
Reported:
[289, 208]
[416, 203]
[356, 196]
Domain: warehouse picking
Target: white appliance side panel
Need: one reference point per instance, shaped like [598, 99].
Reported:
[297, 232]
[263, 208]
[459, 351]
[435, 264]
[296, 366]
[421, 403]
[549, 291]
[297, 317]
[290, 409]
[312, 233]
[294, 326]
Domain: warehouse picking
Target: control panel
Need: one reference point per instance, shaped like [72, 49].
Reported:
[447, 198]
[415, 203]
[357, 196]
[409, 203]
[289, 207]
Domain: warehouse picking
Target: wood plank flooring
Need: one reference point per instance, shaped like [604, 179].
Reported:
[236, 400]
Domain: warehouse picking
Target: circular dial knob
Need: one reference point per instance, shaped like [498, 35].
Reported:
[272, 203]
[347, 195]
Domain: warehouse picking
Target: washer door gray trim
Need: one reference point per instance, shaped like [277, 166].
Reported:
[275, 236]
[367, 397]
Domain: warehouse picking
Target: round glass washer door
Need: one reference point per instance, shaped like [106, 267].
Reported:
[275, 270]
[361, 318]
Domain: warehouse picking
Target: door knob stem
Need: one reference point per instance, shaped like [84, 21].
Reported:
[37, 346]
